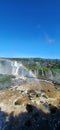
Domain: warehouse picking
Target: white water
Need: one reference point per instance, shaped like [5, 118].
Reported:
[23, 76]
[13, 67]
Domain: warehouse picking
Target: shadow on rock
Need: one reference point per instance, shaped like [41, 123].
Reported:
[32, 119]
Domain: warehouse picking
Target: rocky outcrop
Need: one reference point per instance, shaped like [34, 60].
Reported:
[49, 74]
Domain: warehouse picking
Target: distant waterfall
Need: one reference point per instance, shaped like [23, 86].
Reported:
[14, 68]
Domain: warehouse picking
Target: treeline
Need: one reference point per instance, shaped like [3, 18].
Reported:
[49, 63]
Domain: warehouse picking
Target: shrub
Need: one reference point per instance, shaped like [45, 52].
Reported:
[48, 90]
[6, 77]
[18, 102]
[37, 95]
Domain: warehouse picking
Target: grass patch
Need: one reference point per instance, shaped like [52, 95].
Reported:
[18, 102]
[4, 78]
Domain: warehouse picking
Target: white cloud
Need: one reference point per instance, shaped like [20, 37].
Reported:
[48, 38]
[51, 40]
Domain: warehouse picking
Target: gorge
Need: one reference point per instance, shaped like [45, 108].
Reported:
[29, 94]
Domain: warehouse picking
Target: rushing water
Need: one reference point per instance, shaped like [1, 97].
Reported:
[8, 67]
[14, 68]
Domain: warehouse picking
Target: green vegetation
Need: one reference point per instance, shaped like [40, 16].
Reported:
[5, 77]
[37, 95]
[45, 96]
[36, 67]
[57, 70]
[18, 102]
[31, 91]
[41, 68]
[48, 90]
[39, 64]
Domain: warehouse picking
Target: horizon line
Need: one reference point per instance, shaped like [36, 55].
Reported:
[30, 58]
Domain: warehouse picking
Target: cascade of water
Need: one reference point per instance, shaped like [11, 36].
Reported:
[14, 68]
[22, 74]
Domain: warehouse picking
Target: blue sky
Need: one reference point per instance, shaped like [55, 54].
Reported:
[30, 28]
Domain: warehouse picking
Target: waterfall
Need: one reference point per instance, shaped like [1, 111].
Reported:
[14, 68]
